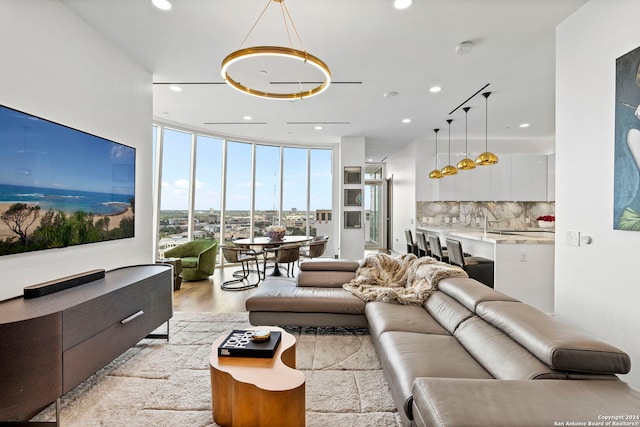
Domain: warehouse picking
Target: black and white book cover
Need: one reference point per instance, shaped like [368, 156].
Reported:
[239, 343]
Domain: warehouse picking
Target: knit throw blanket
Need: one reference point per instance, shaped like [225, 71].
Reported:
[406, 279]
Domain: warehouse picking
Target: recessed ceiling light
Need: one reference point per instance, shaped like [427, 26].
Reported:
[390, 94]
[247, 117]
[524, 125]
[435, 89]
[162, 4]
[406, 120]
[402, 4]
[318, 127]
[464, 48]
[175, 88]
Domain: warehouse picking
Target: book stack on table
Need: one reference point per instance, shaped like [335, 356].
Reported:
[240, 343]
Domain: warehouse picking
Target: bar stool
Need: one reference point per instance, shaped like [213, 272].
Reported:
[437, 251]
[477, 268]
[412, 248]
[423, 246]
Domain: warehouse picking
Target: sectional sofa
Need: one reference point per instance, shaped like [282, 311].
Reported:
[469, 356]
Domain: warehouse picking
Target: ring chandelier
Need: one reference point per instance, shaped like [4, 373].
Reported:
[276, 51]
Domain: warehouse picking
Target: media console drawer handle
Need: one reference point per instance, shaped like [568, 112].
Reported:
[133, 316]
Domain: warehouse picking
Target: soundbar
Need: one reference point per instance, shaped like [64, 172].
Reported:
[46, 288]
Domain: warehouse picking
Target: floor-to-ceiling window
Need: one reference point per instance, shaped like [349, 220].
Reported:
[239, 185]
[223, 189]
[208, 185]
[174, 189]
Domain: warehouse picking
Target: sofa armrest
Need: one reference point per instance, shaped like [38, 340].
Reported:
[495, 403]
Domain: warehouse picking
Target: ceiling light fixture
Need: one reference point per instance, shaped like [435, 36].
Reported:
[435, 89]
[175, 88]
[466, 163]
[406, 120]
[161, 4]
[247, 117]
[402, 4]
[436, 173]
[276, 51]
[487, 158]
[449, 169]
[524, 125]
[464, 48]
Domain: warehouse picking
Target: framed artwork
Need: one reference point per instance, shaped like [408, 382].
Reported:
[353, 197]
[626, 182]
[352, 175]
[352, 219]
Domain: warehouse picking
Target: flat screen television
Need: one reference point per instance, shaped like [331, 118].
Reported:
[60, 186]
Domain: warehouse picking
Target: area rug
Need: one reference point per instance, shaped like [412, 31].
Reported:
[160, 383]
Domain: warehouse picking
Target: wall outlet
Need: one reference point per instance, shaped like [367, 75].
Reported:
[523, 256]
[527, 220]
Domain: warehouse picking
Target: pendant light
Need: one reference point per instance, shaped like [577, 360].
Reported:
[487, 158]
[466, 163]
[449, 169]
[436, 174]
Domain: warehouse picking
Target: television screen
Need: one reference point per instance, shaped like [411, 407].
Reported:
[60, 186]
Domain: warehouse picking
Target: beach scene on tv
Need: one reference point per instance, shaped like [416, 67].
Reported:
[60, 186]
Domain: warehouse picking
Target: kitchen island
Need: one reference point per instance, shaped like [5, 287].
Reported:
[523, 260]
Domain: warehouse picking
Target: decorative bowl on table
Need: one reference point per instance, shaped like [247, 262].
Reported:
[275, 233]
[546, 221]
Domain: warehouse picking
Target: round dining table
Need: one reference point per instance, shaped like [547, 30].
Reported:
[265, 241]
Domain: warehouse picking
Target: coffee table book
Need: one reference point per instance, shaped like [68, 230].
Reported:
[239, 344]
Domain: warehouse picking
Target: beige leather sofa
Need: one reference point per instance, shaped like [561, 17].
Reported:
[442, 359]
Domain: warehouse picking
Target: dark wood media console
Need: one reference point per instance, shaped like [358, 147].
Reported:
[48, 345]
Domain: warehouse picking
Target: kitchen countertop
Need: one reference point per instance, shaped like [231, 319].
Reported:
[531, 236]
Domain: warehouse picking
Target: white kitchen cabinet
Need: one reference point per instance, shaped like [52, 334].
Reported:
[529, 177]
[501, 179]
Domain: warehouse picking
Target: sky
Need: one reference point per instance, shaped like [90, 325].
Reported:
[176, 175]
[39, 153]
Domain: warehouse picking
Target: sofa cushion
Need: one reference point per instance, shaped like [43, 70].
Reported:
[487, 403]
[283, 295]
[447, 311]
[470, 292]
[501, 356]
[324, 279]
[558, 345]
[383, 317]
[408, 355]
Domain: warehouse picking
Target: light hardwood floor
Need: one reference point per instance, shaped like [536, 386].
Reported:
[206, 295]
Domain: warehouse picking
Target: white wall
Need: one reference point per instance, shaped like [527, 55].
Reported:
[56, 67]
[401, 166]
[352, 239]
[597, 286]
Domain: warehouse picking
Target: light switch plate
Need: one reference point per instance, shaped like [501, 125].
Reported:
[573, 238]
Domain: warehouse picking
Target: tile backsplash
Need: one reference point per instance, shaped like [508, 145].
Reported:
[500, 215]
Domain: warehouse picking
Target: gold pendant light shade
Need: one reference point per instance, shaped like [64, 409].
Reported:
[487, 158]
[436, 174]
[466, 163]
[449, 169]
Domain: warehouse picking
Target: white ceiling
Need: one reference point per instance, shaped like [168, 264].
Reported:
[367, 41]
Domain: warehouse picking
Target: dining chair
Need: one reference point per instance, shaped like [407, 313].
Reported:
[314, 249]
[285, 254]
[477, 268]
[243, 256]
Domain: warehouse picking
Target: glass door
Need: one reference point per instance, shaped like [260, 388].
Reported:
[373, 207]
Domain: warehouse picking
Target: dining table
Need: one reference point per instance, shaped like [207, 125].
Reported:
[264, 242]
